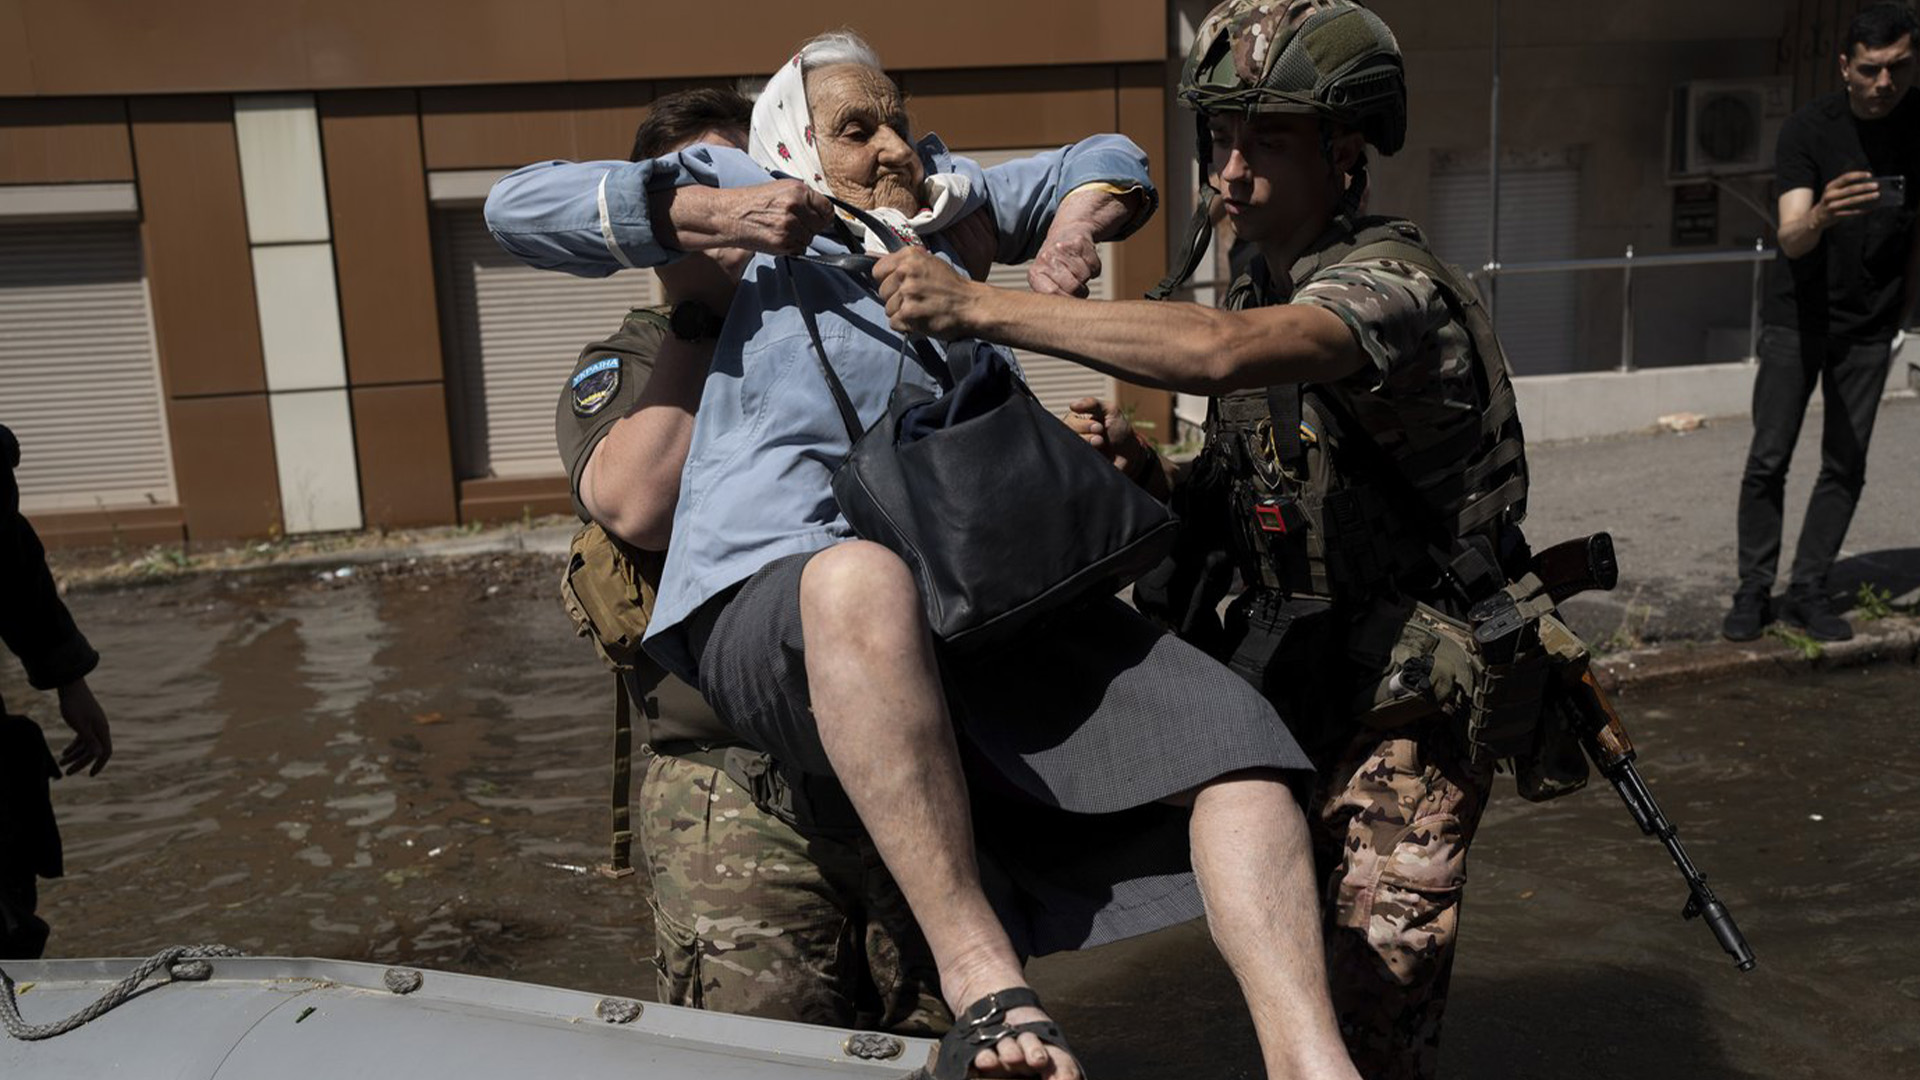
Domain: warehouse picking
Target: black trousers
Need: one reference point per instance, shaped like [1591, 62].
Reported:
[1852, 377]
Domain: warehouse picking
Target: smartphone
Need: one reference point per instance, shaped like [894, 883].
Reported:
[1893, 192]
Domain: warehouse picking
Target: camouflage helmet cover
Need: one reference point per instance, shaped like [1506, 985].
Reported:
[1331, 58]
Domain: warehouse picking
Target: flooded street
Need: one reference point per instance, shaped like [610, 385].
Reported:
[409, 764]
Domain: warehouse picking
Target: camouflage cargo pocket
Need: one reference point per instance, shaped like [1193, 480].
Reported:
[1402, 823]
[676, 960]
[1414, 911]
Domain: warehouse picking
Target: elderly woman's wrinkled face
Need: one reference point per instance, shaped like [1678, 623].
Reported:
[860, 128]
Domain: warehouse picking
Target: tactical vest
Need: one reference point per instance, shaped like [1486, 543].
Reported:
[1320, 508]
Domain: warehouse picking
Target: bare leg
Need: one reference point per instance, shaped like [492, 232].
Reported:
[883, 722]
[1254, 861]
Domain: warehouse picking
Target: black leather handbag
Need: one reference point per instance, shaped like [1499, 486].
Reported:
[1002, 512]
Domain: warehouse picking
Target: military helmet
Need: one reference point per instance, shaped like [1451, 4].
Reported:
[1330, 58]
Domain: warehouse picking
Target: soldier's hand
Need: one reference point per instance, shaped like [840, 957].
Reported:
[1847, 195]
[923, 294]
[1107, 429]
[92, 743]
[1065, 264]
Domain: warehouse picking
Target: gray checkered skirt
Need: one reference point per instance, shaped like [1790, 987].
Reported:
[1071, 736]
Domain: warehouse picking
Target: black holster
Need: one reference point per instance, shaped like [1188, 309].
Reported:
[1291, 650]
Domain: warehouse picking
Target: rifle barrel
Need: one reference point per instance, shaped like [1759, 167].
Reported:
[1700, 900]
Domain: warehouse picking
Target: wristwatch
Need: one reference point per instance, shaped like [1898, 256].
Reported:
[692, 320]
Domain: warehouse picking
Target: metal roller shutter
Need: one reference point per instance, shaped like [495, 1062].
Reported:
[513, 334]
[1054, 381]
[79, 377]
[1539, 211]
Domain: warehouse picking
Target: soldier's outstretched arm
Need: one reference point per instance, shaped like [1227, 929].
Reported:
[1173, 346]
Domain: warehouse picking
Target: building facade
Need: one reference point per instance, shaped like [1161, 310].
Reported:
[245, 288]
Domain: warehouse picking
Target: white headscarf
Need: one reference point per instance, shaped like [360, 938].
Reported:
[781, 140]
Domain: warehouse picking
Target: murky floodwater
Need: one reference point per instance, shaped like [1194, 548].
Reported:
[409, 764]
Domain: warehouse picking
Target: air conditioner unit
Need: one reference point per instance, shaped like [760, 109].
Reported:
[1721, 128]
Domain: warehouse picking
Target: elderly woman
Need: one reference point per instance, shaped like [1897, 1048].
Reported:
[1089, 755]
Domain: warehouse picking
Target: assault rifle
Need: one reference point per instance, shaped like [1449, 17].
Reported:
[1557, 573]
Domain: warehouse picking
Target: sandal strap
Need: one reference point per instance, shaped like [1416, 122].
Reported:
[983, 1024]
[995, 1005]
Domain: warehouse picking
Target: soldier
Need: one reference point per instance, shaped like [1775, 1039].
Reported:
[768, 898]
[1364, 467]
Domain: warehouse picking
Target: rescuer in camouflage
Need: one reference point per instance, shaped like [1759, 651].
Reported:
[745, 918]
[1363, 462]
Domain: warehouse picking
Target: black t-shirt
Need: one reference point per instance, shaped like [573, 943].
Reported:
[1850, 285]
[605, 385]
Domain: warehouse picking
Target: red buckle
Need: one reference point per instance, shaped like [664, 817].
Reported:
[1270, 518]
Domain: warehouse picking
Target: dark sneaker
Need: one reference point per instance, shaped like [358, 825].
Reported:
[1815, 617]
[1749, 616]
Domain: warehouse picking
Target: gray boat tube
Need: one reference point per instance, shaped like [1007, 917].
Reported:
[305, 1019]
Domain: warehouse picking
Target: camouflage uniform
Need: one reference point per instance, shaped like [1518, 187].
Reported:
[1391, 828]
[1397, 808]
[1336, 527]
[792, 917]
[752, 916]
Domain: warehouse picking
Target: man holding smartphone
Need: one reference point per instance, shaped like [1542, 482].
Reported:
[1845, 282]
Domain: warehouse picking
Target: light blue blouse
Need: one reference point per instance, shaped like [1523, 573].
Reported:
[758, 479]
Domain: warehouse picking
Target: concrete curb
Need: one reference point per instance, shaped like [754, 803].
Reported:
[1878, 641]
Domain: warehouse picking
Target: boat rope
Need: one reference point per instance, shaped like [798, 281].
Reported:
[183, 963]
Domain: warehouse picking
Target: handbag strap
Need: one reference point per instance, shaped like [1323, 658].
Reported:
[935, 364]
[848, 414]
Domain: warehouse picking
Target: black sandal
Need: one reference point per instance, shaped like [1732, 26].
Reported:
[982, 1026]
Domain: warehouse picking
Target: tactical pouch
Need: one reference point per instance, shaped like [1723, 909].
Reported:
[1423, 661]
[1556, 765]
[1418, 662]
[608, 591]
[1504, 711]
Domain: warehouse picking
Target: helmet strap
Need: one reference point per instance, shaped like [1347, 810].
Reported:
[1353, 182]
[1199, 231]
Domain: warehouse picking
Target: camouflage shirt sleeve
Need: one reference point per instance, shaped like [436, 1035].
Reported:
[1395, 311]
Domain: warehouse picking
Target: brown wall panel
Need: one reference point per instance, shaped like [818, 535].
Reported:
[199, 271]
[496, 127]
[604, 116]
[180, 46]
[54, 47]
[130, 527]
[64, 140]
[383, 256]
[223, 464]
[1143, 258]
[1028, 107]
[433, 42]
[612, 39]
[16, 49]
[406, 458]
[512, 500]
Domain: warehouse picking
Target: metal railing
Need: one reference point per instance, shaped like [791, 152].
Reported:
[1759, 255]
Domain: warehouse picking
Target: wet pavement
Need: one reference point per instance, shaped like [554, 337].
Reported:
[408, 764]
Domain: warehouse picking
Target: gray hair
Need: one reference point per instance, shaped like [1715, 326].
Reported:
[837, 47]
